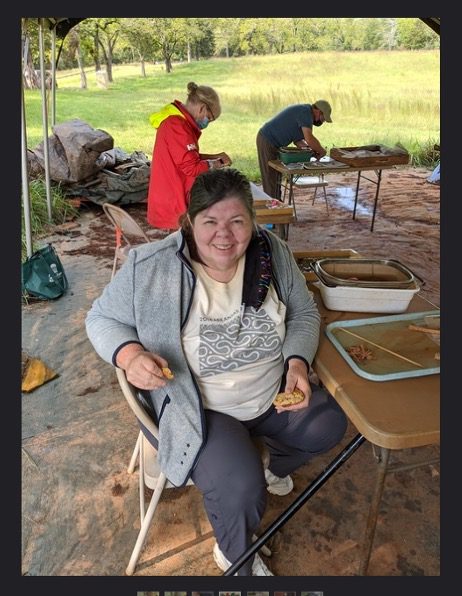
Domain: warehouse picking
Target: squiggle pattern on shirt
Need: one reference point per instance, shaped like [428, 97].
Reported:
[226, 346]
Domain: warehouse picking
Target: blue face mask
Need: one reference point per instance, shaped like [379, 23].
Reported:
[203, 123]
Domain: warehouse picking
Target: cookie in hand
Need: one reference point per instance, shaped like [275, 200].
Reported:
[289, 399]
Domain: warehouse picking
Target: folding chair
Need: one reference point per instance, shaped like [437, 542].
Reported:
[150, 474]
[125, 228]
[310, 182]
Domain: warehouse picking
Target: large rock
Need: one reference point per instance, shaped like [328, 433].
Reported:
[74, 149]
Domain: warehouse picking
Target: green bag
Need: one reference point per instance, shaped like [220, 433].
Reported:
[43, 274]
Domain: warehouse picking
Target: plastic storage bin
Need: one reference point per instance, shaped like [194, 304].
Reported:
[357, 299]
[294, 155]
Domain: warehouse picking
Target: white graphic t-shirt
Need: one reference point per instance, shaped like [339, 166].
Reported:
[235, 354]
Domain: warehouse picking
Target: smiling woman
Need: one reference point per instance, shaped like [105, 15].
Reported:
[219, 228]
[231, 294]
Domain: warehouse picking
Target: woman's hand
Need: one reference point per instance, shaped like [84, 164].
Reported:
[143, 369]
[297, 376]
[224, 158]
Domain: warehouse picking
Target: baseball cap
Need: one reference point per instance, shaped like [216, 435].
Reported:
[325, 108]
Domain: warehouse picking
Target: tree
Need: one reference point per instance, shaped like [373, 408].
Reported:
[104, 33]
[390, 34]
[139, 34]
[200, 38]
[169, 35]
[414, 34]
[75, 51]
[276, 32]
[31, 80]
[226, 33]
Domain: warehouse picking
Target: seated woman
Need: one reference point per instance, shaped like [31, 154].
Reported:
[222, 303]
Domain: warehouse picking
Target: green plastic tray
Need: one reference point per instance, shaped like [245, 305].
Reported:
[293, 155]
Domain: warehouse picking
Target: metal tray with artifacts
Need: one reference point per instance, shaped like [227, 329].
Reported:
[390, 347]
[306, 258]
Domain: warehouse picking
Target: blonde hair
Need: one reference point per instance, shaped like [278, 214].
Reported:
[207, 95]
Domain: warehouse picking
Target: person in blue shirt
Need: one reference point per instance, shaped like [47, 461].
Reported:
[293, 124]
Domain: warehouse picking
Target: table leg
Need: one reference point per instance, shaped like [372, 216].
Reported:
[379, 177]
[279, 184]
[291, 193]
[282, 230]
[374, 510]
[336, 463]
[356, 195]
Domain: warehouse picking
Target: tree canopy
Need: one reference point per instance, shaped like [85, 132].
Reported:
[116, 40]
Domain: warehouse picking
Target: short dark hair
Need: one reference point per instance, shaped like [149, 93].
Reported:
[215, 185]
[210, 188]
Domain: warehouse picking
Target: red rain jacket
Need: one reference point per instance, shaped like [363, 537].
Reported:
[175, 164]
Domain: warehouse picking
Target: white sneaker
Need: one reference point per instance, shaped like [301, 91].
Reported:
[278, 486]
[258, 567]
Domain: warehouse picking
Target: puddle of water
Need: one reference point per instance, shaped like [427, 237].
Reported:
[345, 199]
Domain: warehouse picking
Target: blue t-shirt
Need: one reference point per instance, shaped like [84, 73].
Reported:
[286, 126]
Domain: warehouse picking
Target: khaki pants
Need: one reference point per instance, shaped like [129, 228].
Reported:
[270, 178]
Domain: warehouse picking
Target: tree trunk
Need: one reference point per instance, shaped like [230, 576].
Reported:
[109, 68]
[83, 76]
[31, 80]
[168, 64]
[189, 52]
[143, 68]
[97, 61]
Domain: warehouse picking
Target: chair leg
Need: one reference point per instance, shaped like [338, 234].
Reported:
[314, 196]
[325, 198]
[131, 465]
[114, 265]
[141, 481]
[146, 522]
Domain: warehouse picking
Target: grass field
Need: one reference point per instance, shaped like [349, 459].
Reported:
[376, 97]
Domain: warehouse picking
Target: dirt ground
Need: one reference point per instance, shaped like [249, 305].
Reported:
[80, 507]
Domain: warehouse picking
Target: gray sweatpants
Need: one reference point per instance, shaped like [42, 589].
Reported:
[229, 471]
[270, 179]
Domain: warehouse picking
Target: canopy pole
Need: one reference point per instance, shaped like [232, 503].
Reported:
[25, 176]
[53, 75]
[45, 122]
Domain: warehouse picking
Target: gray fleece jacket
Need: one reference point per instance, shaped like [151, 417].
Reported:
[148, 301]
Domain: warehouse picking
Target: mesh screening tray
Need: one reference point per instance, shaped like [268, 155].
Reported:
[374, 156]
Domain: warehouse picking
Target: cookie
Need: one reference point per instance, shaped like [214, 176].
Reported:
[167, 373]
[289, 399]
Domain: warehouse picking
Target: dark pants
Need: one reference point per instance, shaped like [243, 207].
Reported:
[270, 178]
[229, 472]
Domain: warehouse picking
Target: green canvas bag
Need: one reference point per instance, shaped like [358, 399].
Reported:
[43, 274]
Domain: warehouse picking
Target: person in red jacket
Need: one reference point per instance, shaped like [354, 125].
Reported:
[176, 160]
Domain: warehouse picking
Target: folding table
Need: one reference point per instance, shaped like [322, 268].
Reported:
[391, 415]
[291, 174]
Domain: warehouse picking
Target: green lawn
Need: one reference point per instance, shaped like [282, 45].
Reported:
[376, 97]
